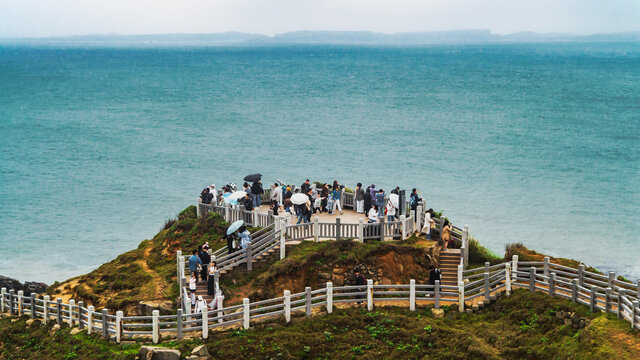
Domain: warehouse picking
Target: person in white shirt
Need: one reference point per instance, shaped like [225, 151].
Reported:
[201, 305]
[428, 223]
[245, 236]
[214, 193]
[373, 214]
[193, 285]
[276, 194]
[391, 211]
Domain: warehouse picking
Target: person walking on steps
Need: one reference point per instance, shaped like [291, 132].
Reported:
[194, 262]
[434, 274]
[446, 234]
[205, 258]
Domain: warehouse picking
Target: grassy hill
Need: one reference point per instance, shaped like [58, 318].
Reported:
[147, 273]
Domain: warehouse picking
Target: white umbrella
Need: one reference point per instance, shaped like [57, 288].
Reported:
[238, 195]
[235, 226]
[299, 199]
[393, 198]
[227, 198]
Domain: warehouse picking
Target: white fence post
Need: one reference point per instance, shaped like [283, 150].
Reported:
[465, 239]
[287, 306]
[245, 313]
[574, 290]
[581, 275]
[329, 297]
[612, 280]
[20, 297]
[249, 256]
[403, 227]
[412, 295]
[205, 323]
[90, 311]
[369, 294]
[119, 315]
[546, 266]
[507, 278]
[460, 296]
[283, 239]
[514, 268]
[634, 313]
[220, 307]
[72, 304]
[532, 279]
[436, 294]
[552, 284]
[2, 297]
[361, 230]
[155, 325]
[460, 272]
[255, 218]
[418, 219]
[316, 229]
[45, 308]
[178, 272]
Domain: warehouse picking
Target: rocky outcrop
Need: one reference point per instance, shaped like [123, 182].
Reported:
[158, 353]
[145, 308]
[572, 319]
[28, 287]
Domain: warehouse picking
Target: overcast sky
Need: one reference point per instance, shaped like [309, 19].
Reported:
[41, 18]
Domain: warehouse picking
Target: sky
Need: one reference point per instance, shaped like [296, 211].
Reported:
[43, 18]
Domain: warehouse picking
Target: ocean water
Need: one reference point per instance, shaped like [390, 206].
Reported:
[538, 144]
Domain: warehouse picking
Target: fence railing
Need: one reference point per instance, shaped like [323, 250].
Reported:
[599, 292]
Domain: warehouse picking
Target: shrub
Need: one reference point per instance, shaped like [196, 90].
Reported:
[479, 254]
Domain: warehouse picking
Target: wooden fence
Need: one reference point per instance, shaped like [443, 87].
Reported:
[599, 292]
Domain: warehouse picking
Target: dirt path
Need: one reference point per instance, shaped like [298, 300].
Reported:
[159, 289]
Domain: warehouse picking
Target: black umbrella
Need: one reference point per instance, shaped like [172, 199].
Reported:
[253, 177]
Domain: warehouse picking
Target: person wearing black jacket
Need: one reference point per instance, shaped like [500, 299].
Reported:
[206, 196]
[360, 280]
[230, 248]
[204, 256]
[434, 274]
[247, 202]
[367, 200]
[305, 187]
[256, 191]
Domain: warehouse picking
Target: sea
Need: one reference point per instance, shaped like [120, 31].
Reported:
[531, 143]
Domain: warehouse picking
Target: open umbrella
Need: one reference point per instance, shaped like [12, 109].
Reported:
[393, 198]
[299, 199]
[235, 226]
[227, 198]
[253, 177]
[237, 195]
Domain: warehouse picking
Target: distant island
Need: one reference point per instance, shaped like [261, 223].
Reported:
[482, 36]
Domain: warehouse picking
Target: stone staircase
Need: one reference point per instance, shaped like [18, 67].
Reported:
[449, 261]
[272, 254]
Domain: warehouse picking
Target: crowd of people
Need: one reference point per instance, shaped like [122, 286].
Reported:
[327, 198]
[203, 269]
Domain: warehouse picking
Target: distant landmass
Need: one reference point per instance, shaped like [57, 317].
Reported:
[330, 37]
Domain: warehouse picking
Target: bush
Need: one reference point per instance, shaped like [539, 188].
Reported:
[479, 254]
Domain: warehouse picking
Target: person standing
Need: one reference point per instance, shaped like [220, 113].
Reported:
[324, 194]
[194, 261]
[337, 192]
[247, 202]
[434, 275]
[205, 196]
[396, 190]
[391, 211]
[367, 200]
[373, 214]
[256, 191]
[446, 234]
[359, 198]
[414, 199]
[304, 188]
[428, 223]
[214, 193]
[360, 281]
[231, 247]
[193, 286]
[245, 236]
[380, 202]
[205, 258]
[211, 285]
[276, 195]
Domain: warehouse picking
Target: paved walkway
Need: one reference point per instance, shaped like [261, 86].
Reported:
[348, 216]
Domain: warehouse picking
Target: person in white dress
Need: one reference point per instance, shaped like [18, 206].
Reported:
[428, 223]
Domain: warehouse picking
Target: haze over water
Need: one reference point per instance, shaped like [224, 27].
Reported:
[538, 144]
